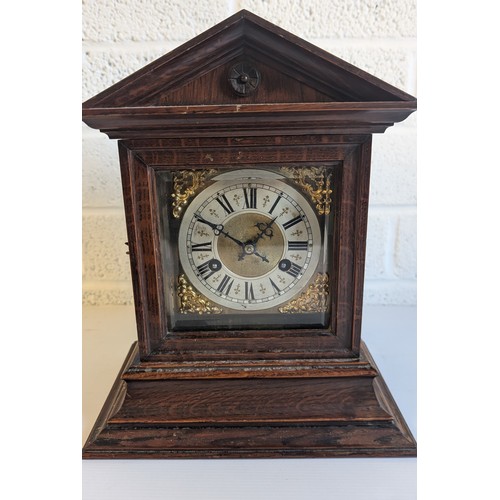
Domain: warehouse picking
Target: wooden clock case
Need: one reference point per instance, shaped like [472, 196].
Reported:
[250, 393]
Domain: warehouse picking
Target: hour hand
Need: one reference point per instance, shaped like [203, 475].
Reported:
[265, 230]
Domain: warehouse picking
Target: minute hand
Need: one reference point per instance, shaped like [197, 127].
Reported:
[219, 229]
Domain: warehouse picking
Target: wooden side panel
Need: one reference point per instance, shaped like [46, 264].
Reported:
[361, 217]
[351, 243]
[139, 200]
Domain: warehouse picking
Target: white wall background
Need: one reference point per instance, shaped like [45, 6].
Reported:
[379, 36]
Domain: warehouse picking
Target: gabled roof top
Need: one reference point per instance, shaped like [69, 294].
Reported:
[188, 88]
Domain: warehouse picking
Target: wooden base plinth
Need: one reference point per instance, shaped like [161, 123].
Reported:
[344, 410]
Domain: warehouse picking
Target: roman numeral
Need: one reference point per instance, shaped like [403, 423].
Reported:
[205, 270]
[275, 203]
[224, 203]
[208, 268]
[274, 285]
[202, 247]
[250, 197]
[294, 270]
[249, 295]
[297, 245]
[290, 223]
[225, 285]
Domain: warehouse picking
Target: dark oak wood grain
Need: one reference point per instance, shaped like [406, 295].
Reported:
[211, 87]
[302, 87]
[248, 392]
[245, 35]
[348, 157]
[251, 418]
[210, 121]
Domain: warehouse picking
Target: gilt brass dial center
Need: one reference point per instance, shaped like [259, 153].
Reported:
[260, 251]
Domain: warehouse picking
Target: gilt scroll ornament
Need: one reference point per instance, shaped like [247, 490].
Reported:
[314, 299]
[315, 182]
[190, 301]
[186, 185]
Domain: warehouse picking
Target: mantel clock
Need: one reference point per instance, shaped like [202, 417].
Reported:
[245, 163]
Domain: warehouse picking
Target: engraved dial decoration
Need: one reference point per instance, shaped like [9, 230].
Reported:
[249, 243]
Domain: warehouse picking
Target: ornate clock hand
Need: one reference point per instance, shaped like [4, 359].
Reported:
[246, 249]
[219, 229]
[265, 230]
[263, 257]
[250, 247]
[216, 227]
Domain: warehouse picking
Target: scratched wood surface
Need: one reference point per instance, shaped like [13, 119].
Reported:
[108, 332]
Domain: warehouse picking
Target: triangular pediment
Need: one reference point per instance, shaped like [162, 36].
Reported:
[293, 84]
[214, 87]
[292, 70]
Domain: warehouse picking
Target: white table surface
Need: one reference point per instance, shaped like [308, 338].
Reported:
[390, 334]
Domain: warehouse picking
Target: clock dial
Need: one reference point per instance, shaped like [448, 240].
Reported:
[249, 244]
